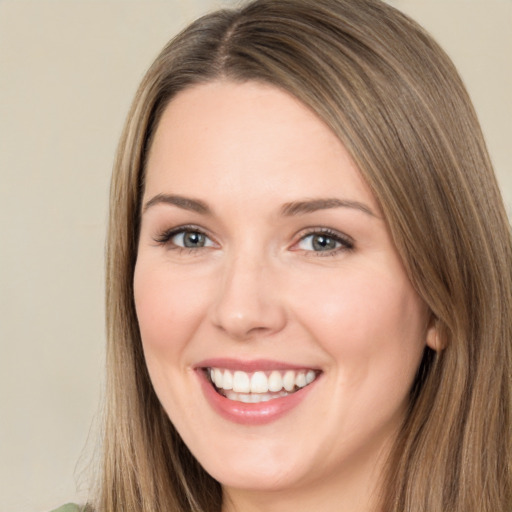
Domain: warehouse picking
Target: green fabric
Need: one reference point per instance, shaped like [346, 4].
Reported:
[70, 507]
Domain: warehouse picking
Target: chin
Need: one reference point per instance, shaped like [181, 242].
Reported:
[258, 479]
[257, 468]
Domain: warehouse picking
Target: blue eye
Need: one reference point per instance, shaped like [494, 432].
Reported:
[190, 239]
[324, 241]
[185, 238]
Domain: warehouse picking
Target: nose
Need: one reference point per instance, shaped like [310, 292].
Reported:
[248, 302]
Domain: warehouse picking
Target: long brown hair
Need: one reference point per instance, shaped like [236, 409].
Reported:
[396, 102]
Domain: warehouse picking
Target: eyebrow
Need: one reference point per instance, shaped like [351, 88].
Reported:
[186, 203]
[313, 205]
[287, 210]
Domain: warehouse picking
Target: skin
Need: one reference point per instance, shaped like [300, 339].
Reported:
[260, 289]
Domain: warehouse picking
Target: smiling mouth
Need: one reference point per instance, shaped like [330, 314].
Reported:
[259, 386]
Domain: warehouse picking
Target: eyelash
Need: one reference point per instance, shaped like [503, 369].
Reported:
[346, 243]
[166, 236]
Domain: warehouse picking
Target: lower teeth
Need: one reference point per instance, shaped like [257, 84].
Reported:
[252, 398]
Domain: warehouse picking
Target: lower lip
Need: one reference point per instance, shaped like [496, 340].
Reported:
[251, 414]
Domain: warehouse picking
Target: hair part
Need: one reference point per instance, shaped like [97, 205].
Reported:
[394, 99]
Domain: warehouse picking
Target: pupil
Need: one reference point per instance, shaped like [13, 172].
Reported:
[321, 243]
[193, 239]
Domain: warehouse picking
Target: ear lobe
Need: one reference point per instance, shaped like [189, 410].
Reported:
[434, 339]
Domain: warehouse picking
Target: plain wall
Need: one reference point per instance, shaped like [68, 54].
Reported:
[68, 71]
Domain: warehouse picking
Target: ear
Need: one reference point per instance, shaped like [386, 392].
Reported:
[434, 338]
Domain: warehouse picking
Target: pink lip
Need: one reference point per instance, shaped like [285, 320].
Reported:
[249, 366]
[244, 413]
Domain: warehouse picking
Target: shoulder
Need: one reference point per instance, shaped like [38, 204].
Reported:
[70, 507]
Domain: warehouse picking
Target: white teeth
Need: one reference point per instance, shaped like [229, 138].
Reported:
[289, 380]
[275, 382]
[258, 385]
[241, 383]
[300, 380]
[253, 398]
[228, 380]
[218, 378]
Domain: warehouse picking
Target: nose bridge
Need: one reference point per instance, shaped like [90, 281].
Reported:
[247, 301]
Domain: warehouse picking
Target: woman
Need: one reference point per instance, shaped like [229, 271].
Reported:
[308, 274]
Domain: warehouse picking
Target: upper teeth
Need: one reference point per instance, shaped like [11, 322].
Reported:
[261, 382]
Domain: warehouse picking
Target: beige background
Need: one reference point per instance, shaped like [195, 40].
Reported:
[68, 70]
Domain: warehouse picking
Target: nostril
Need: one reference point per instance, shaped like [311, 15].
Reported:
[253, 322]
[244, 328]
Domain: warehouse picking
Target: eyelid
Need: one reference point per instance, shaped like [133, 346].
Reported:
[347, 242]
[166, 235]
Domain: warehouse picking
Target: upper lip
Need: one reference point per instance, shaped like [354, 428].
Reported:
[252, 365]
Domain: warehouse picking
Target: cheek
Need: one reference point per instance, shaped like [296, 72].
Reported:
[374, 332]
[168, 308]
[372, 325]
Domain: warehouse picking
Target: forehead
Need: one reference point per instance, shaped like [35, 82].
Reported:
[251, 139]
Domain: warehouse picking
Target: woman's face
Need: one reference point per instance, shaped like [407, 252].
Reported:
[264, 261]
